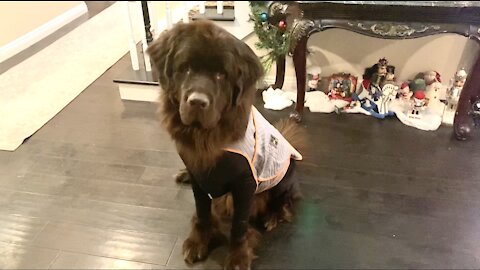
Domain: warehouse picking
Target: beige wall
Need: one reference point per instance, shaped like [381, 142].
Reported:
[159, 7]
[338, 50]
[19, 18]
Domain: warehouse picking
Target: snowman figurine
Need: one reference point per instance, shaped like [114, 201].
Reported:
[434, 90]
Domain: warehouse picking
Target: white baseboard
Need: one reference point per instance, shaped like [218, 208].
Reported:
[139, 92]
[29, 39]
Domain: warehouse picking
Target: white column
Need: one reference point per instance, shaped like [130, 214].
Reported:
[131, 39]
[219, 7]
[201, 7]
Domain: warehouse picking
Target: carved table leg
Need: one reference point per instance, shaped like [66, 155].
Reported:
[300, 63]
[280, 75]
[463, 123]
[146, 20]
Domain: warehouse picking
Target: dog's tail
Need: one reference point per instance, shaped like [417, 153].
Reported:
[294, 133]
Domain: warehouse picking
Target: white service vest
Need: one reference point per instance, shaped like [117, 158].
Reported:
[266, 150]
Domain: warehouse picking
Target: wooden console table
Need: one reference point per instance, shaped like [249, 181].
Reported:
[387, 20]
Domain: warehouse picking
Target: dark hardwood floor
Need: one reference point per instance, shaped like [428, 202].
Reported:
[94, 189]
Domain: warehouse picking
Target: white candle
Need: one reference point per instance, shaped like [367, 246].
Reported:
[219, 7]
[201, 7]
[168, 15]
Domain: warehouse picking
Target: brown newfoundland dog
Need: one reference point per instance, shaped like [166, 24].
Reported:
[240, 167]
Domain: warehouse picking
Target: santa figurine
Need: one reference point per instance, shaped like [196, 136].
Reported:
[419, 104]
[404, 93]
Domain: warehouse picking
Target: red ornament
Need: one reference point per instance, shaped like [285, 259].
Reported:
[282, 25]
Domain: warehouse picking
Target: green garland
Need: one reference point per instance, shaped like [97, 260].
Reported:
[271, 37]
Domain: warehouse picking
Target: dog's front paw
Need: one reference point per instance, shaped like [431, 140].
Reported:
[183, 177]
[284, 215]
[194, 251]
[240, 258]
[271, 223]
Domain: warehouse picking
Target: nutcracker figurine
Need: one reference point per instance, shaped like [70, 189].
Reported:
[453, 93]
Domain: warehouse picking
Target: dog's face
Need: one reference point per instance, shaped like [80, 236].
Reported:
[204, 71]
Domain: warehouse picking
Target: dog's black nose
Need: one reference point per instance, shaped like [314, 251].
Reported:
[198, 100]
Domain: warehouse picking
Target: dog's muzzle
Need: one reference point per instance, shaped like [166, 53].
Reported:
[198, 101]
[197, 109]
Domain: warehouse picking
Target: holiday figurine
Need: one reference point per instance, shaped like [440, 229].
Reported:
[336, 90]
[313, 82]
[431, 77]
[419, 104]
[389, 91]
[390, 75]
[453, 93]
[417, 84]
[341, 86]
[373, 78]
[434, 90]
[382, 66]
[375, 89]
[476, 112]
[404, 93]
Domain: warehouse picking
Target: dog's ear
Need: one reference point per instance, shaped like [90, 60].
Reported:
[246, 68]
[162, 54]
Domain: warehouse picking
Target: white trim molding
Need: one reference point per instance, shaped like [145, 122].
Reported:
[139, 92]
[18, 45]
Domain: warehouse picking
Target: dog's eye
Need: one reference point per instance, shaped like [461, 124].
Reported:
[184, 68]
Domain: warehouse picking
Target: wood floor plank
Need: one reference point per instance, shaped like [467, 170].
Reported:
[391, 203]
[69, 260]
[388, 182]
[311, 246]
[86, 169]
[102, 154]
[21, 230]
[123, 245]
[22, 257]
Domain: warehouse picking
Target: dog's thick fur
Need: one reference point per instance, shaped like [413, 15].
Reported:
[204, 58]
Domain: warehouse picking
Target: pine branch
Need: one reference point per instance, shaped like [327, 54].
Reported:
[270, 37]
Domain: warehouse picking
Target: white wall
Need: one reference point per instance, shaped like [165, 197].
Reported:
[338, 50]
